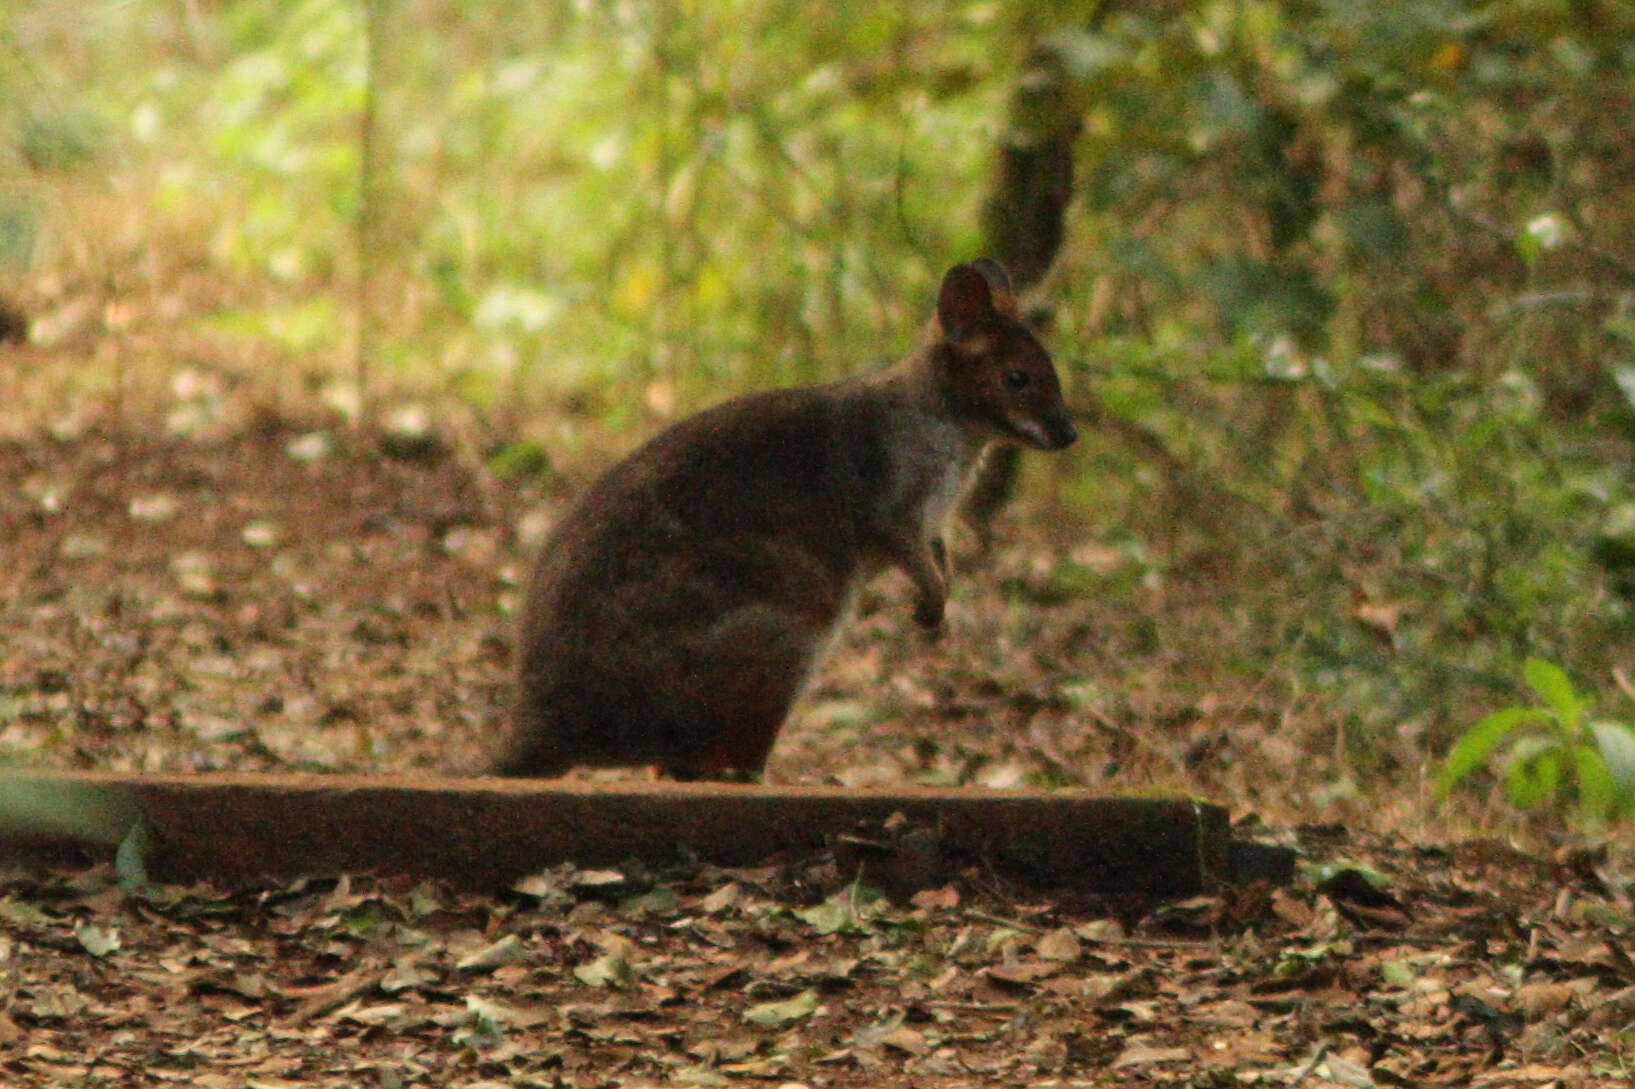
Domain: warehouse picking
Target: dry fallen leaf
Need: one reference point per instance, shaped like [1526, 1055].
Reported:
[1060, 945]
[1022, 973]
[96, 940]
[1144, 1055]
[785, 1012]
[506, 950]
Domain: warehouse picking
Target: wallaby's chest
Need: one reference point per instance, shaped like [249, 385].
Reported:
[951, 485]
[934, 471]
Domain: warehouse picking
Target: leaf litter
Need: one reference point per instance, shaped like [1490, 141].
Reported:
[1497, 968]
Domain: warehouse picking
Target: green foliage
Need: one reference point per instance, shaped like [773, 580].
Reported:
[130, 859]
[1359, 267]
[520, 460]
[1556, 755]
[578, 196]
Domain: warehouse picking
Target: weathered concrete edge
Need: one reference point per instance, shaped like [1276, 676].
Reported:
[484, 833]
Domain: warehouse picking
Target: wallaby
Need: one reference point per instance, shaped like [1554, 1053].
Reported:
[680, 605]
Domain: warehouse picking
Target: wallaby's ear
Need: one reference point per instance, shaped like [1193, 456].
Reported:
[973, 295]
[999, 284]
[965, 302]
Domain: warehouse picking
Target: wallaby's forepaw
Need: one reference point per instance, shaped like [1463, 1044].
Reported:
[939, 556]
[928, 614]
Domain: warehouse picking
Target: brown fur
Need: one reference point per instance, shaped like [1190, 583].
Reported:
[680, 606]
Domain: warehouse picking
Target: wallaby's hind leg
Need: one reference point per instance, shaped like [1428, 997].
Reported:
[750, 671]
[536, 752]
[741, 744]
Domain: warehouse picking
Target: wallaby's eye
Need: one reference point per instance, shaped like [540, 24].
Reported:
[1017, 379]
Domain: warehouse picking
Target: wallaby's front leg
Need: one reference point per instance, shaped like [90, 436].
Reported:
[939, 556]
[926, 563]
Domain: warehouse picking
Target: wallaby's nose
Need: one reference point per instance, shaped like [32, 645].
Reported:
[1062, 432]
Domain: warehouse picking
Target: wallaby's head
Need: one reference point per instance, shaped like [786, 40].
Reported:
[995, 371]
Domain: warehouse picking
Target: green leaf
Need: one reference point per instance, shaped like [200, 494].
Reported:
[1597, 792]
[1550, 682]
[130, 859]
[790, 1010]
[1534, 774]
[1322, 873]
[365, 919]
[1624, 377]
[1616, 744]
[1473, 749]
[846, 912]
[516, 460]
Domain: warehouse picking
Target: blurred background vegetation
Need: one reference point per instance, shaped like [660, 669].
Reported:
[1343, 290]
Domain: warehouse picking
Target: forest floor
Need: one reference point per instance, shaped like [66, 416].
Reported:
[1384, 965]
[211, 583]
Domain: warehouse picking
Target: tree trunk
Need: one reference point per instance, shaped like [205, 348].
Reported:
[1024, 223]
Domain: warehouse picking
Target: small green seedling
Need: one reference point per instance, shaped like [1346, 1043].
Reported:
[1557, 754]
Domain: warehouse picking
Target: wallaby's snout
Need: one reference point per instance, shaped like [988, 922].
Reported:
[1031, 405]
[1046, 426]
[1059, 432]
[1056, 420]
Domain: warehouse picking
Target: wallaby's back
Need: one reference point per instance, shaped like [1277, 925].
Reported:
[677, 611]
